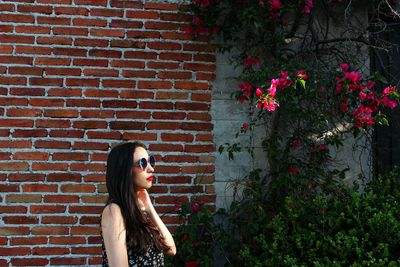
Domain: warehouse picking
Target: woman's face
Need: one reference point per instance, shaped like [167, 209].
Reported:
[143, 179]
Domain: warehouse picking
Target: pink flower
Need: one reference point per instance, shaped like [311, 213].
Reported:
[362, 96]
[344, 107]
[245, 127]
[293, 169]
[245, 87]
[276, 4]
[272, 88]
[344, 67]
[295, 144]
[308, 6]
[388, 90]
[195, 207]
[205, 3]
[323, 148]
[258, 92]
[370, 84]
[270, 106]
[353, 76]
[301, 74]
[251, 61]
[191, 263]
[243, 98]
[389, 103]
[201, 201]
[189, 30]
[196, 20]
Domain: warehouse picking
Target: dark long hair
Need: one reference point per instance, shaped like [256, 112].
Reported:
[140, 233]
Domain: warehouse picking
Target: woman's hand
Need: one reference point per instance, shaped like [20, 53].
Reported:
[144, 200]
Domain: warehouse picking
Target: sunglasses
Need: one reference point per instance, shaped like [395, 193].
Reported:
[142, 163]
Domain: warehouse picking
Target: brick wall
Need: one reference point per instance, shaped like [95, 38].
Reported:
[76, 77]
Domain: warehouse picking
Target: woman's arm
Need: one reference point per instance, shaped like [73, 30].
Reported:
[143, 196]
[114, 236]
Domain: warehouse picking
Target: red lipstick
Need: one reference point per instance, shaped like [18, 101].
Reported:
[151, 178]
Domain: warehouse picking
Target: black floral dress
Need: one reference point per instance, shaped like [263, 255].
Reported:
[152, 258]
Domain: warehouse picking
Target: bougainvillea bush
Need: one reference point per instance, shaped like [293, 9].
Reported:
[305, 77]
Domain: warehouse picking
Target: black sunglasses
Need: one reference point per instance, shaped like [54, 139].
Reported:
[142, 163]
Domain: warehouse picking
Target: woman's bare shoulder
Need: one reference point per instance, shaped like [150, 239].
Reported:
[111, 215]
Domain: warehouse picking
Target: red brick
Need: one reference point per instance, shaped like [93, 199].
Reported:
[39, 188]
[70, 31]
[97, 113]
[127, 24]
[154, 85]
[90, 146]
[29, 262]
[13, 209]
[107, 32]
[25, 70]
[205, 76]
[201, 97]
[81, 11]
[14, 251]
[156, 105]
[5, 231]
[6, 28]
[49, 251]
[20, 220]
[15, 144]
[90, 219]
[168, 137]
[94, 178]
[119, 104]
[82, 82]
[177, 36]
[199, 148]
[31, 156]
[135, 94]
[179, 158]
[7, 7]
[14, 166]
[91, 2]
[67, 260]
[52, 144]
[83, 103]
[9, 188]
[160, 6]
[34, 9]
[174, 75]
[45, 81]
[104, 135]
[61, 113]
[16, 60]
[175, 56]
[139, 74]
[64, 72]
[73, 188]
[162, 65]
[54, 20]
[198, 47]
[199, 116]
[191, 106]
[90, 124]
[91, 62]
[66, 51]
[54, 40]
[143, 34]
[127, 64]
[67, 240]
[172, 95]
[165, 147]
[192, 85]
[24, 112]
[27, 91]
[133, 114]
[100, 72]
[13, 101]
[169, 115]
[88, 167]
[136, 14]
[52, 61]
[105, 12]
[45, 166]
[26, 177]
[187, 190]
[198, 169]
[91, 42]
[70, 156]
[87, 250]
[31, 50]
[64, 92]
[159, 125]
[60, 199]
[197, 126]
[105, 53]
[85, 209]
[66, 133]
[53, 102]
[126, 4]
[42, 209]
[175, 179]
[5, 155]
[127, 44]
[89, 22]
[127, 125]
[56, 124]
[12, 80]
[164, 45]
[17, 18]
[95, 199]
[119, 83]
[171, 199]
[59, 219]
[140, 136]
[28, 240]
[64, 177]
[9, 38]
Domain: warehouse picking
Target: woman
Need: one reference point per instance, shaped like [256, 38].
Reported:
[133, 233]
